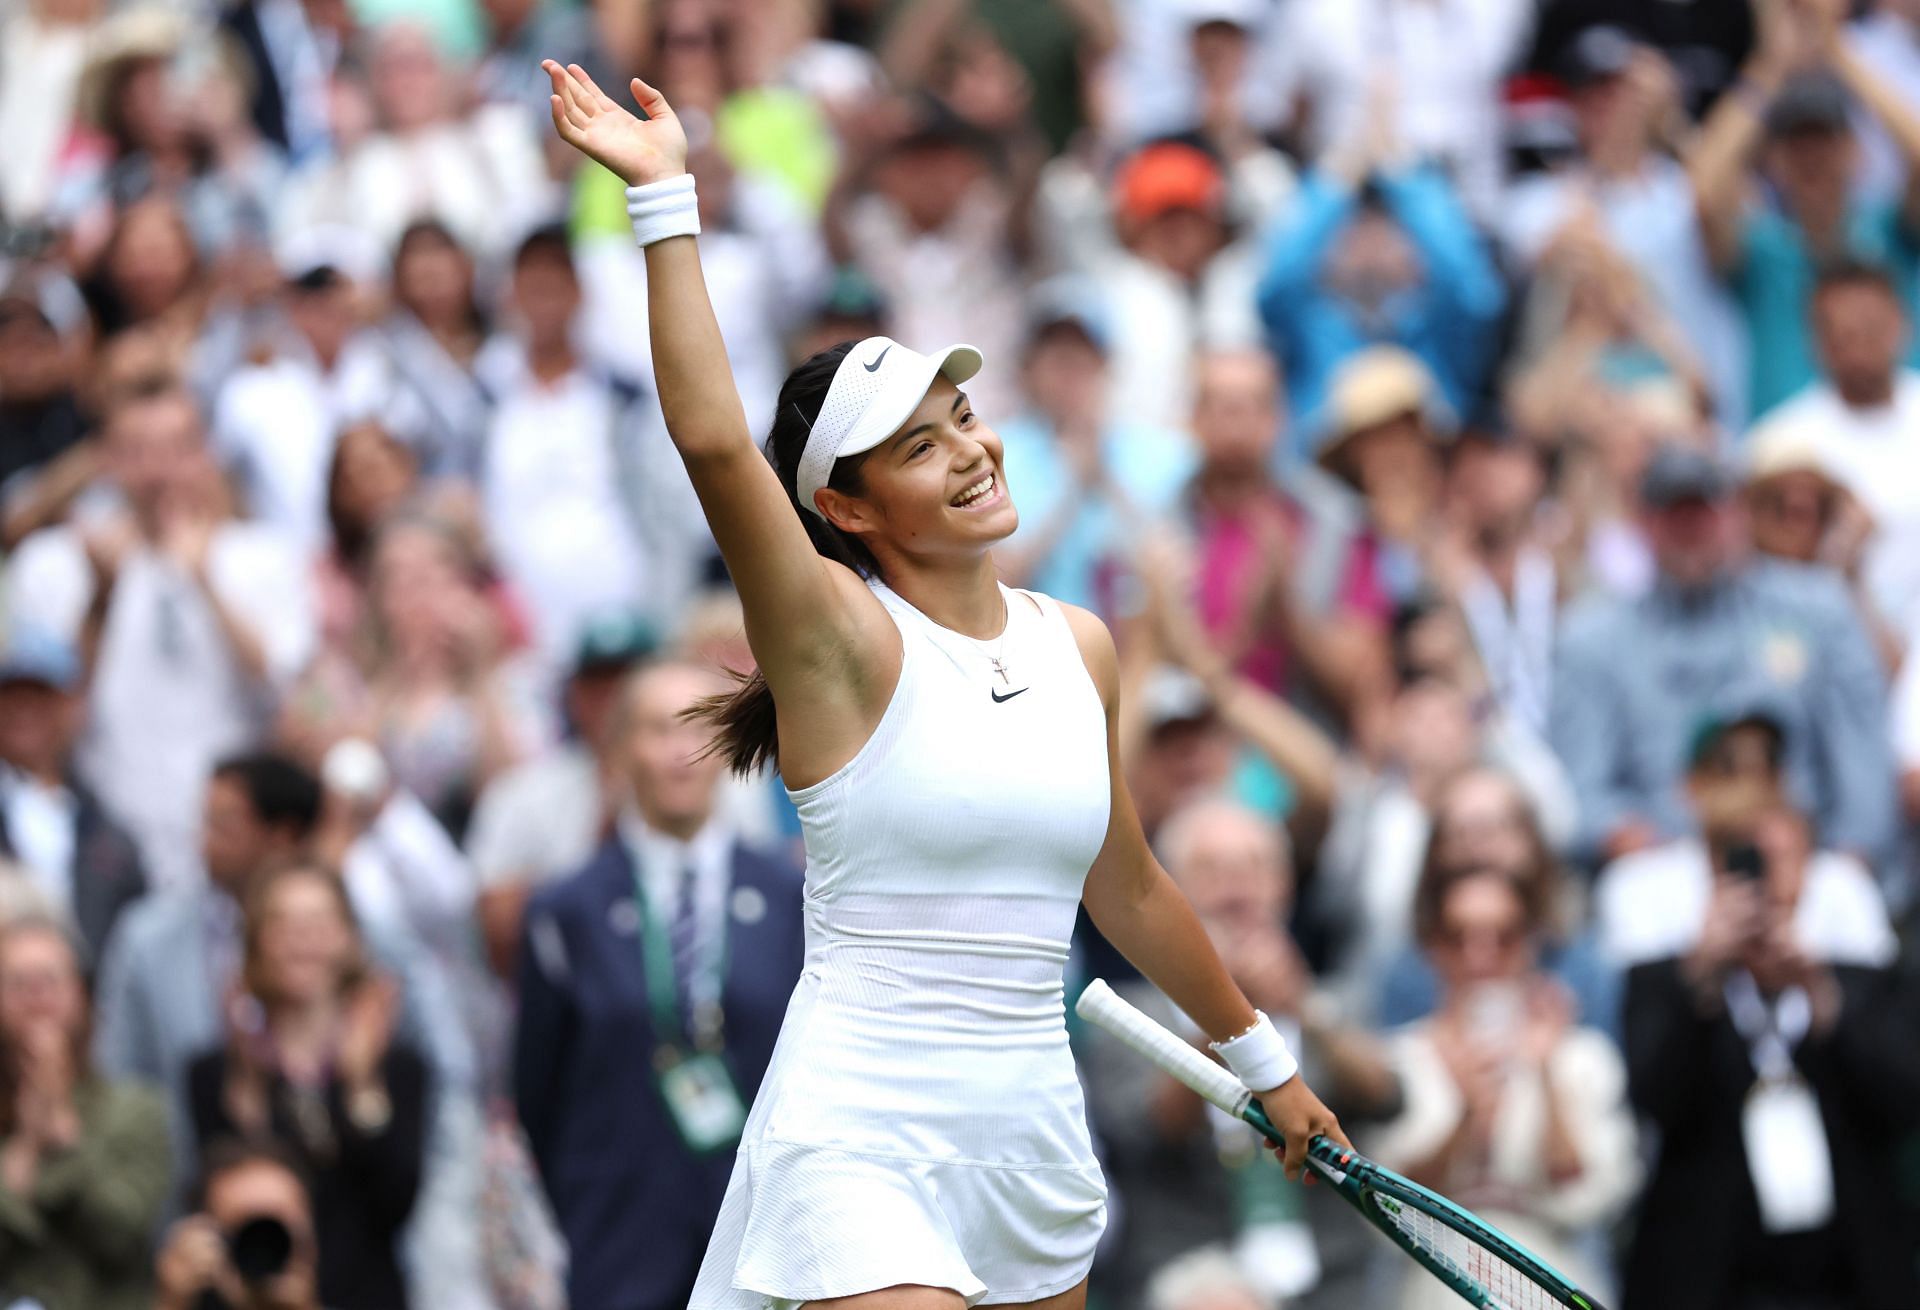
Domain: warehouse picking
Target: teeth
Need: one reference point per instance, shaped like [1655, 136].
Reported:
[975, 492]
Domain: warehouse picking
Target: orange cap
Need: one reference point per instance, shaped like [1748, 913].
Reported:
[1165, 177]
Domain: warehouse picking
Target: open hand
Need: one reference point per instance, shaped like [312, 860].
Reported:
[638, 150]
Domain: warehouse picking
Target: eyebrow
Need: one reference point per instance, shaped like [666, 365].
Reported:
[959, 399]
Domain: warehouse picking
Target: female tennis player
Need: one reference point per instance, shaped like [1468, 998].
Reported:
[919, 1142]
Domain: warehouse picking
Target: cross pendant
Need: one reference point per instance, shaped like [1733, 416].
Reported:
[1000, 669]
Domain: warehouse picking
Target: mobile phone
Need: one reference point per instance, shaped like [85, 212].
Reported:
[1747, 863]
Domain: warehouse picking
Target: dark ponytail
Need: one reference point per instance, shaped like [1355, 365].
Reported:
[744, 717]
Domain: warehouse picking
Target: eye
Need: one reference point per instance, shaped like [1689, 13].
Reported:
[920, 449]
[966, 420]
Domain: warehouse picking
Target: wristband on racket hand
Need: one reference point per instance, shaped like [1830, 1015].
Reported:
[664, 209]
[1259, 1056]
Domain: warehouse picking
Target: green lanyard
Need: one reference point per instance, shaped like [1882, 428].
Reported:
[663, 989]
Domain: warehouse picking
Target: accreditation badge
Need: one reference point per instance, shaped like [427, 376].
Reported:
[705, 1105]
[1787, 1155]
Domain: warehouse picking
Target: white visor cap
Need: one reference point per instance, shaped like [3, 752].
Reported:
[876, 389]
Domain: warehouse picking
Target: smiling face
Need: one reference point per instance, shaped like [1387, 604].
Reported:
[935, 489]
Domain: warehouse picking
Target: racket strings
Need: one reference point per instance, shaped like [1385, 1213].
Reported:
[1506, 1285]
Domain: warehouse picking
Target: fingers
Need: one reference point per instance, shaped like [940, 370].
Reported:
[574, 99]
[1294, 1157]
[594, 94]
[650, 100]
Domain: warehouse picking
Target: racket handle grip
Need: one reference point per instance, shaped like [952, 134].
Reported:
[1101, 1006]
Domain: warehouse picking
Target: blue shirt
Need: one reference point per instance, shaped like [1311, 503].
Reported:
[1449, 318]
[1147, 465]
[1635, 678]
[1774, 283]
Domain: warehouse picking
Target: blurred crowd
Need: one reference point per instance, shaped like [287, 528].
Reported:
[1491, 427]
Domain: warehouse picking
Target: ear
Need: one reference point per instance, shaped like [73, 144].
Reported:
[851, 514]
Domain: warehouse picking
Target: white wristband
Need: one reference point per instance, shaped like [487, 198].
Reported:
[663, 209]
[1259, 1056]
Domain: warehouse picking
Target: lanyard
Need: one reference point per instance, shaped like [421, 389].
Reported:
[663, 988]
[1770, 1032]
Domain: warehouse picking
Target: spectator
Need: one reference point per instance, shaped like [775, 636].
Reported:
[478, 169]
[1797, 510]
[1625, 188]
[1495, 561]
[1381, 430]
[434, 335]
[1176, 283]
[275, 423]
[717, 925]
[1864, 421]
[547, 816]
[250, 1243]
[187, 622]
[1511, 1110]
[1483, 821]
[435, 678]
[83, 1161]
[310, 1062]
[50, 823]
[1191, 1175]
[1376, 255]
[1776, 1065]
[1715, 627]
[176, 959]
[1655, 904]
[1794, 97]
[372, 476]
[1091, 474]
[1248, 539]
[564, 518]
[926, 215]
[1424, 76]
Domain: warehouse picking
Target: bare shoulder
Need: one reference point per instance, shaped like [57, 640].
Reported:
[1090, 634]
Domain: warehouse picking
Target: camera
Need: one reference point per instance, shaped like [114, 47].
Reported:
[1747, 863]
[259, 1249]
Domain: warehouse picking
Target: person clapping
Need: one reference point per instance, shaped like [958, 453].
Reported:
[83, 1161]
[311, 1063]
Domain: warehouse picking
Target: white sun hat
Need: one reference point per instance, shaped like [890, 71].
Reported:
[876, 388]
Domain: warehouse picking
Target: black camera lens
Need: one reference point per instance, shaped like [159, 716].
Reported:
[260, 1248]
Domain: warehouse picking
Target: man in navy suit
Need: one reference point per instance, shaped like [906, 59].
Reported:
[652, 986]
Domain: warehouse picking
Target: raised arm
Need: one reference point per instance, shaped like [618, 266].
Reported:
[804, 613]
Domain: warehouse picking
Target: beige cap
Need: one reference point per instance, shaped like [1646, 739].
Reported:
[1777, 449]
[1374, 386]
[150, 32]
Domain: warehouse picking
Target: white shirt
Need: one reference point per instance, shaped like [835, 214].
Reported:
[1875, 454]
[552, 497]
[662, 864]
[538, 820]
[275, 426]
[482, 176]
[168, 698]
[40, 826]
[1443, 59]
[1652, 904]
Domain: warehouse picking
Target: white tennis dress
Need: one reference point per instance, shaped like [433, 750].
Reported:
[921, 1121]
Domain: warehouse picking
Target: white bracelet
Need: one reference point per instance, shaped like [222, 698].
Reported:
[664, 209]
[1259, 1056]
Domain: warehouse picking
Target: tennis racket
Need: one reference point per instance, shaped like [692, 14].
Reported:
[1486, 1267]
